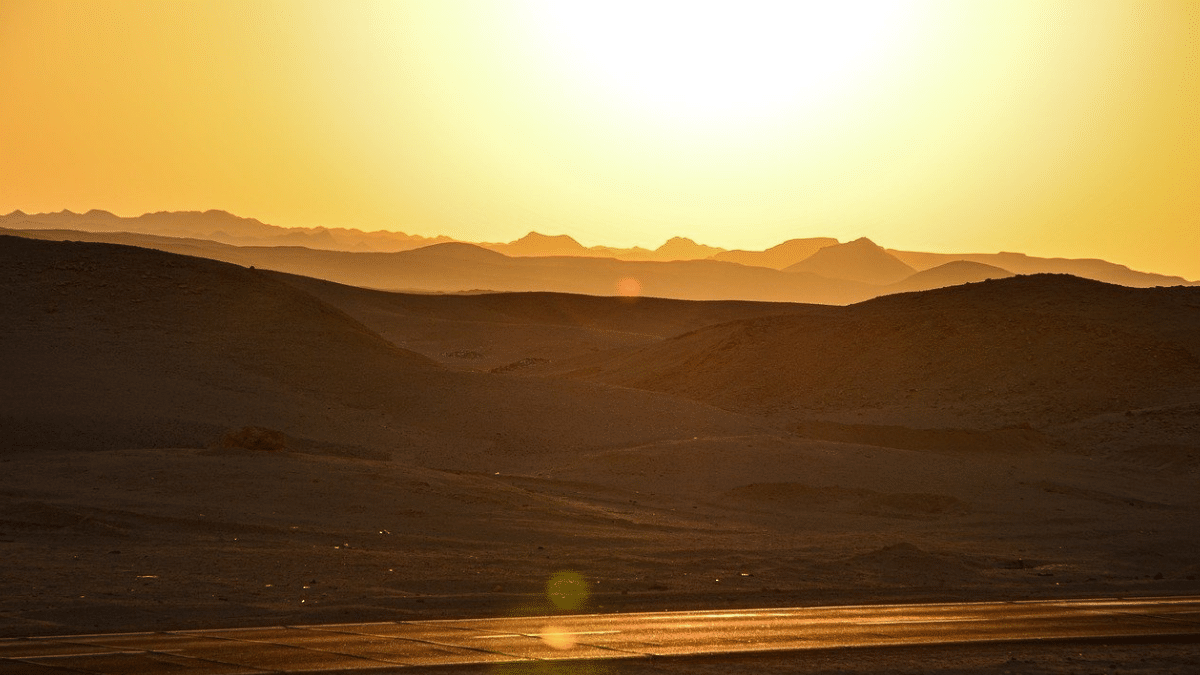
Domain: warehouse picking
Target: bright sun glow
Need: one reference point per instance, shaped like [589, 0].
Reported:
[699, 61]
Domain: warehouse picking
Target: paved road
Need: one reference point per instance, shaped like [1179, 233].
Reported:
[394, 645]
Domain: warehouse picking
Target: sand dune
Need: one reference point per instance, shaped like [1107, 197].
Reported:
[190, 443]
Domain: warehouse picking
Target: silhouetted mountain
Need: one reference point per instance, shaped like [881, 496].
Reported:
[952, 273]
[779, 256]
[535, 244]
[859, 260]
[219, 226]
[633, 253]
[457, 267]
[682, 248]
[457, 251]
[842, 273]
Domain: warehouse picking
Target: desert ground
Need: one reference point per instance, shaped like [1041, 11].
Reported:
[192, 443]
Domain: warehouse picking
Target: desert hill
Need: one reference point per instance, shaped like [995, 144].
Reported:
[112, 345]
[117, 345]
[454, 267]
[515, 331]
[953, 273]
[837, 273]
[220, 226]
[861, 260]
[1020, 263]
[1031, 350]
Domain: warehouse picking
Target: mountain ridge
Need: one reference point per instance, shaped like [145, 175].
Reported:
[890, 266]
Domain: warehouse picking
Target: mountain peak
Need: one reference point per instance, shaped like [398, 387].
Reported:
[859, 260]
[678, 240]
[682, 248]
[533, 237]
[863, 242]
[536, 244]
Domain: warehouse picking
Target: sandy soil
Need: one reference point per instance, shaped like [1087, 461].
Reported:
[379, 479]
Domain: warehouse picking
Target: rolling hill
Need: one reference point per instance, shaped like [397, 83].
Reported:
[1031, 350]
[114, 346]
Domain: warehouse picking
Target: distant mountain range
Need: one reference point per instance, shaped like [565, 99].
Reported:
[223, 227]
[812, 270]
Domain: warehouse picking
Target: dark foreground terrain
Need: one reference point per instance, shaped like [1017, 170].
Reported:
[189, 443]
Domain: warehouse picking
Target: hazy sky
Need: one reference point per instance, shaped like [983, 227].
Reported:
[1053, 128]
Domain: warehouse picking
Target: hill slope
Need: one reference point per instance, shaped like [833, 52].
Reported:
[113, 346]
[1040, 349]
[457, 267]
[953, 273]
[1020, 263]
[522, 331]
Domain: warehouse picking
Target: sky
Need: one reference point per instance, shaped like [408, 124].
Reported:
[1054, 128]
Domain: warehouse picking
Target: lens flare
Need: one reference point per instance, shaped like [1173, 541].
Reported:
[567, 590]
[629, 287]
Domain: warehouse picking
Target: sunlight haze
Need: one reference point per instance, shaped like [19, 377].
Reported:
[1051, 128]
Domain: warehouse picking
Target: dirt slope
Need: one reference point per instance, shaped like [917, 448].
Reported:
[1026, 350]
[953, 273]
[108, 345]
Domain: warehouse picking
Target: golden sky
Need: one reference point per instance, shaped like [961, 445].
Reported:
[1052, 128]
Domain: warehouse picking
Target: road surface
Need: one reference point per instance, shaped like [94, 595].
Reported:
[395, 645]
